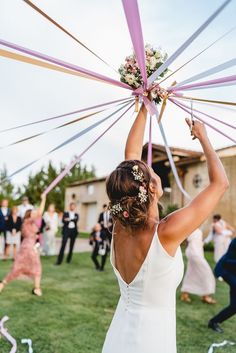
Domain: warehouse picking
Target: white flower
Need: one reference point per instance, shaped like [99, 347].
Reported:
[153, 62]
[130, 79]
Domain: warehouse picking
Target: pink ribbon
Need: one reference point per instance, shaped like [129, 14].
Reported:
[77, 159]
[135, 29]
[64, 64]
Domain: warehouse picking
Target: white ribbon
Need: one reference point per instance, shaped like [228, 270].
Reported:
[5, 334]
[29, 342]
[216, 345]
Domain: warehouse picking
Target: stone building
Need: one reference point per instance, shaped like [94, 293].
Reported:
[90, 195]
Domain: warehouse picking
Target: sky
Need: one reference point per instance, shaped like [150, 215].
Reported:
[30, 93]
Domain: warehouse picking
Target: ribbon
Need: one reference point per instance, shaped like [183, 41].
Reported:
[149, 158]
[205, 100]
[202, 120]
[71, 139]
[37, 9]
[29, 342]
[222, 344]
[198, 54]
[77, 159]
[209, 72]
[227, 80]
[50, 130]
[5, 334]
[185, 45]
[172, 163]
[135, 29]
[25, 59]
[66, 114]
[209, 116]
[65, 64]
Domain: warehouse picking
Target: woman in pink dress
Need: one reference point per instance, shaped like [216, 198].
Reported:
[27, 261]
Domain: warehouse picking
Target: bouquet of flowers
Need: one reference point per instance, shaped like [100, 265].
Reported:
[130, 72]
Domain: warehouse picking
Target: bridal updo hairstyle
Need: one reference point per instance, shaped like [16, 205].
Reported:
[123, 190]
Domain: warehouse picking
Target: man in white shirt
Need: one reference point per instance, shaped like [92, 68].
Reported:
[25, 206]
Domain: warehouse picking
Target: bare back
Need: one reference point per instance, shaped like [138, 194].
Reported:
[130, 250]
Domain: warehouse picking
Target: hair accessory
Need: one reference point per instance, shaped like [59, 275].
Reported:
[115, 209]
[137, 174]
[142, 195]
[126, 214]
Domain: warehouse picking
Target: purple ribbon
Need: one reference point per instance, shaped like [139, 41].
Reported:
[135, 29]
[218, 81]
[64, 64]
[180, 105]
[77, 159]
[149, 158]
[7, 335]
[185, 45]
[209, 116]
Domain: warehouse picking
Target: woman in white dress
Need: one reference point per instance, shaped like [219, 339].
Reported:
[50, 228]
[222, 233]
[145, 253]
[198, 278]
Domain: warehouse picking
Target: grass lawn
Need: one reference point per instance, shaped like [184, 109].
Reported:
[78, 305]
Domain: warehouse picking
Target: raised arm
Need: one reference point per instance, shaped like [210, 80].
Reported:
[42, 205]
[134, 144]
[180, 224]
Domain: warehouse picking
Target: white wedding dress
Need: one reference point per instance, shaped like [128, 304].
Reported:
[145, 318]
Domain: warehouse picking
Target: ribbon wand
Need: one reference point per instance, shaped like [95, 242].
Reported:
[7, 335]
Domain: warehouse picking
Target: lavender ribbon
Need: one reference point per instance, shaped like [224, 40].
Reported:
[199, 118]
[77, 159]
[206, 73]
[226, 81]
[71, 139]
[185, 45]
[172, 163]
[65, 114]
[134, 23]
[65, 64]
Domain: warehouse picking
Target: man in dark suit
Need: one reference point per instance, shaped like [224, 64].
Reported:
[69, 231]
[4, 214]
[106, 222]
[226, 268]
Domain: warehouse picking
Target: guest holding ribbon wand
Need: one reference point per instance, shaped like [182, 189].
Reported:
[27, 260]
[145, 252]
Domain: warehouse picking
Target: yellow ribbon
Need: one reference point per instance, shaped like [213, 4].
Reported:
[207, 100]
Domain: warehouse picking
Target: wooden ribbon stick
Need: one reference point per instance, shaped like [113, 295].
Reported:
[163, 107]
[207, 100]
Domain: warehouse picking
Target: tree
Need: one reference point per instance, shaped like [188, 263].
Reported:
[39, 181]
[6, 186]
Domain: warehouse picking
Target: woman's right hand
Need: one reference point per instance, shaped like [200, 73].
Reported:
[197, 129]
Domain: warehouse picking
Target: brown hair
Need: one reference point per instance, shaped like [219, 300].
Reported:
[123, 189]
[27, 214]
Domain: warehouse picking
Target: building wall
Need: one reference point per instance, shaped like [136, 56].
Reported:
[227, 205]
[89, 199]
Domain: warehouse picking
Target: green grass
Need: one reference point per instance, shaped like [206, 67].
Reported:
[78, 304]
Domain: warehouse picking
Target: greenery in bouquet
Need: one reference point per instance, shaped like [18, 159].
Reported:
[130, 72]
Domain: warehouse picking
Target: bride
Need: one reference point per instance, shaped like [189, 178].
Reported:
[145, 253]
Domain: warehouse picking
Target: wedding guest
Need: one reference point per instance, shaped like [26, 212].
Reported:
[50, 229]
[226, 268]
[25, 206]
[99, 240]
[199, 278]
[145, 252]
[27, 261]
[69, 231]
[222, 233]
[106, 221]
[4, 215]
[13, 230]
